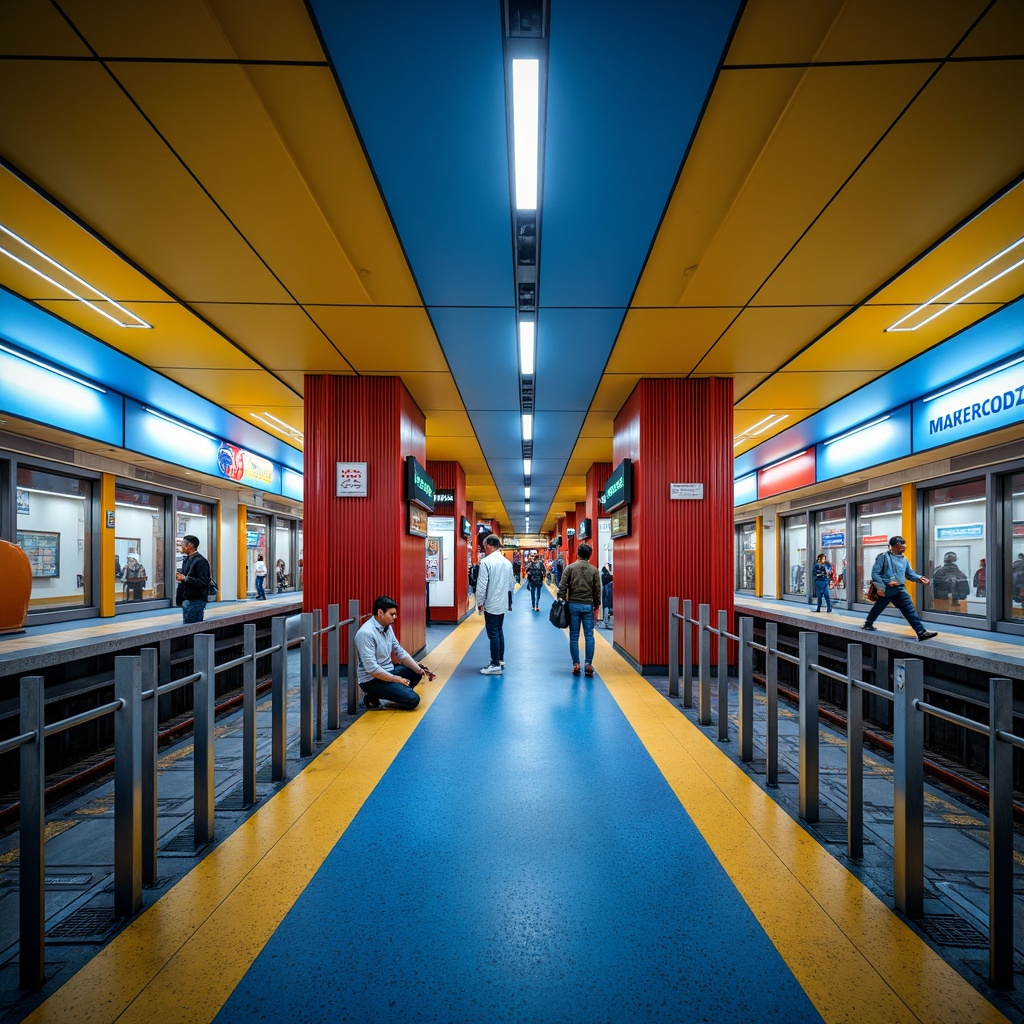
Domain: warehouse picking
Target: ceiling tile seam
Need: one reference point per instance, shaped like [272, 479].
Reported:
[188, 170]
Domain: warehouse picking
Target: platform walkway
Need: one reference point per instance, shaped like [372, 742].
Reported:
[532, 846]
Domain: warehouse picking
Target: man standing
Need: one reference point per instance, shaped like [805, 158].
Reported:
[193, 590]
[386, 670]
[890, 573]
[493, 599]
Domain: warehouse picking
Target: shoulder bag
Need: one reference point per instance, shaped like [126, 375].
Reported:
[559, 614]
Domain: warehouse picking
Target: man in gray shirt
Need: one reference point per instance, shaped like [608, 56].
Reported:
[380, 678]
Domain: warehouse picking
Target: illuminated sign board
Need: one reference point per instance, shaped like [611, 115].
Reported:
[618, 491]
[419, 484]
[245, 468]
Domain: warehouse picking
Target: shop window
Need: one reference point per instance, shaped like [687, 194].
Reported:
[195, 518]
[794, 554]
[876, 522]
[54, 530]
[954, 547]
[140, 559]
[284, 561]
[1013, 547]
[256, 545]
[830, 535]
[746, 556]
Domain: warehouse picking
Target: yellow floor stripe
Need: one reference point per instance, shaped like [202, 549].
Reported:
[182, 958]
[855, 959]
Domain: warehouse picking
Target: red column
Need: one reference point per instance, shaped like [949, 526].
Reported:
[360, 547]
[674, 431]
[450, 476]
[597, 477]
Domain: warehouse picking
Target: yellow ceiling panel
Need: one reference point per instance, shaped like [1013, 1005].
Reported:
[463, 450]
[744, 383]
[612, 392]
[763, 337]
[834, 118]
[999, 33]
[800, 394]
[38, 29]
[382, 339]
[598, 424]
[589, 450]
[433, 390]
[449, 423]
[246, 389]
[666, 341]
[781, 31]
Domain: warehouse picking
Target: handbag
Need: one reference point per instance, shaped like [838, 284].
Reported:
[873, 593]
[559, 614]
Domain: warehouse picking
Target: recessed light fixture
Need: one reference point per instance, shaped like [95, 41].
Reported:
[525, 129]
[30, 256]
[973, 380]
[527, 467]
[526, 491]
[527, 426]
[527, 333]
[269, 420]
[788, 458]
[53, 369]
[857, 430]
[180, 425]
[760, 427]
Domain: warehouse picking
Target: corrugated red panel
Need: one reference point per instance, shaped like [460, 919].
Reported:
[597, 477]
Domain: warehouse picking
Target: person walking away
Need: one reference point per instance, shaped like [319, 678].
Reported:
[890, 574]
[494, 598]
[386, 670]
[535, 574]
[193, 590]
[822, 582]
[581, 590]
[261, 577]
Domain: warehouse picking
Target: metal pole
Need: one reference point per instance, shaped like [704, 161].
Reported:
[854, 753]
[306, 686]
[704, 666]
[334, 667]
[723, 676]
[1000, 840]
[771, 688]
[908, 798]
[745, 686]
[808, 719]
[249, 715]
[673, 647]
[278, 700]
[32, 862]
[150, 717]
[128, 787]
[202, 738]
[687, 655]
[318, 664]
[353, 655]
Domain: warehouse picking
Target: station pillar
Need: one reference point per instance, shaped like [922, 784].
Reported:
[674, 432]
[360, 546]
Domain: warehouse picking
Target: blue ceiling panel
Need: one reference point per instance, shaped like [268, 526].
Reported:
[556, 432]
[480, 346]
[625, 88]
[426, 88]
[572, 349]
[499, 433]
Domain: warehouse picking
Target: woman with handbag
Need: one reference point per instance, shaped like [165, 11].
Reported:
[580, 588]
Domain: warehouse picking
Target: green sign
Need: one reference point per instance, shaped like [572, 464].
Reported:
[618, 491]
[419, 484]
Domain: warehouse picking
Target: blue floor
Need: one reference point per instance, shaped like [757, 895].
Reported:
[522, 860]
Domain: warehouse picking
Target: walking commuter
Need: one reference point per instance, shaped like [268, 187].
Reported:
[494, 598]
[386, 670]
[260, 569]
[581, 590]
[193, 590]
[822, 582]
[535, 573]
[890, 574]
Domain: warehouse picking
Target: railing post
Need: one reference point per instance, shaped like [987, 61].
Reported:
[854, 753]
[771, 689]
[249, 714]
[723, 676]
[318, 665]
[306, 686]
[1000, 840]
[687, 655]
[150, 718]
[745, 686]
[908, 797]
[278, 699]
[32, 864]
[128, 786]
[202, 738]
[808, 726]
[334, 667]
[673, 647]
[704, 666]
[353, 656]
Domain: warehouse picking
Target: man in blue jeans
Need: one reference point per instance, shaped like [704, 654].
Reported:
[193, 578]
[890, 574]
[494, 598]
[580, 588]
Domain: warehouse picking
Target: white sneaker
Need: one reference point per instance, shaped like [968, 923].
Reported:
[491, 670]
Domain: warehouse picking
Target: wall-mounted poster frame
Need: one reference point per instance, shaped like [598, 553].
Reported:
[43, 550]
[620, 522]
[417, 520]
[435, 559]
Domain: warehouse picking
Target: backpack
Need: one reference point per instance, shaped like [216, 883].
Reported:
[474, 575]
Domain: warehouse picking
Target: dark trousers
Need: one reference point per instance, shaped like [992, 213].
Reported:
[495, 633]
[535, 589]
[899, 597]
[400, 695]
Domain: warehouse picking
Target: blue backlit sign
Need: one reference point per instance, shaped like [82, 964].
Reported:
[962, 531]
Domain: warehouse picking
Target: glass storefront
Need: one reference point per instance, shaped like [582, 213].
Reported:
[195, 518]
[954, 547]
[1013, 547]
[877, 521]
[140, 558]
[830, 534]
[256, 545]
[284, 556]
[54, 528]
[794, 554]
[746, 556]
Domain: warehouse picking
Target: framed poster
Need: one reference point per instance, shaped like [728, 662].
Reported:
[435, 560]
[620, 522]
[43, 550]
[417, 520]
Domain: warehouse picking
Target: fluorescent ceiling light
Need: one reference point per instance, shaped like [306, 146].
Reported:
[526, 491]
[789, 458]
[526, 348]
[274, 423]
[183, 426]
[527, 466]
[525, 129]
[973, 380]
[760, 427]
[996, 273]
[53, 369]
[527, 426]
[857, 430]
[54, 267]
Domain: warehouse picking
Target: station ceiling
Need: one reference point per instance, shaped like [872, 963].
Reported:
[751, 190]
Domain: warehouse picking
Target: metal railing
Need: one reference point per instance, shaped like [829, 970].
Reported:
[908, 751]
[136, 690]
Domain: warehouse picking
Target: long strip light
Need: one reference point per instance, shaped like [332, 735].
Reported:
[527, 426]
[53, 369]
[182, 426]
[269, 420]
[782, 462]
[527, 467]
[857, 430]
[139, 322]
[760, 427]
[525, 129]
[527, 335]
[956, 284]
[973, 380]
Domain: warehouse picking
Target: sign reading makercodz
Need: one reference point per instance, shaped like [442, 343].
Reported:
[419, 484]
[618, 491]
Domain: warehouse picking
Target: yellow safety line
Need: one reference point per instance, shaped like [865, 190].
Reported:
[181, 959]
[855, 959]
